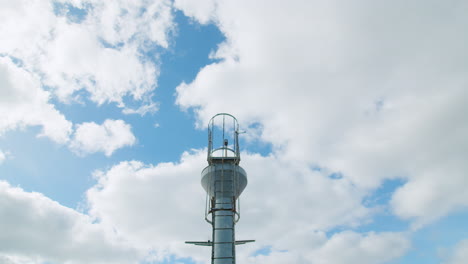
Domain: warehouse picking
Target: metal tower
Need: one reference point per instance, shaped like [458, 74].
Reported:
[223, 180]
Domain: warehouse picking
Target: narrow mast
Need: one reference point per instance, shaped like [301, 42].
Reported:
[223, 180]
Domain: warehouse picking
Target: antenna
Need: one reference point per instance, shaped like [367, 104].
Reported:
[223, 180]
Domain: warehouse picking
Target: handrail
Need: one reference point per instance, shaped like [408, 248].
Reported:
[232, 134]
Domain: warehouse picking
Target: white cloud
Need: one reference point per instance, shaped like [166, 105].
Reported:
[126, 21]
[36, 229]
[357, 248]
[10, 259]
[430, 196]
[23, 102]
[108, 74]
[168, 201]
[142, 110]
[111, 135]
[156, 207]
[203, 10]
[101, 58]
[460, 253]
[25, 25]
[3, 156]
[343, 247]
[102, 55]
[374, 90]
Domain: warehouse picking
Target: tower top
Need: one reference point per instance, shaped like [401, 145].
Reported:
[223, 139]
[223, 180]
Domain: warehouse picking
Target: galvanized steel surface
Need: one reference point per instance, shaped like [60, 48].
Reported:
[223, 180]
[235, 178]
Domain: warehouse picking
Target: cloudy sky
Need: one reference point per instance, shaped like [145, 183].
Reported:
[355, 115]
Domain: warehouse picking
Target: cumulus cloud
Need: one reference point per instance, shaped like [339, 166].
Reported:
[160, 196]
[111, 135]
[10, 259]
[36, 229]
[373, 90]
[3, 156]
[369, 248]
[203, 10]
[102, 53]
[76, 50]
[23, 102]
[107, 74]
[294, 196]
[460, 253]
[108, 60]
[343, 247]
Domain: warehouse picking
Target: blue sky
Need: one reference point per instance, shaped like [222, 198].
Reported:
[354, 115]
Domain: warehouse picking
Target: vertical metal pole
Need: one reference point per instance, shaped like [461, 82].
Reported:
[223, 181]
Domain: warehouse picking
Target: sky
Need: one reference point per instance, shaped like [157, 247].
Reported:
[354, 112]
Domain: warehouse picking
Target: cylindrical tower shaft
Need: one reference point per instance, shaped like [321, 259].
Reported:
[223, 213]
[223, 235]
[223, 180]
